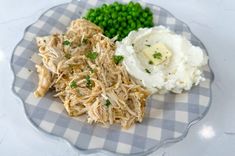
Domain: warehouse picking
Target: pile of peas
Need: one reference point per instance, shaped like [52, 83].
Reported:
[119, 19]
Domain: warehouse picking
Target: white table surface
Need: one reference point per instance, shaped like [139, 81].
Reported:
[213, 21]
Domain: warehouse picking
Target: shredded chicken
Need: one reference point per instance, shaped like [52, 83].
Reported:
[97, 87]
[44, 81]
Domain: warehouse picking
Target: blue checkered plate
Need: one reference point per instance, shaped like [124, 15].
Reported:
[167, 117]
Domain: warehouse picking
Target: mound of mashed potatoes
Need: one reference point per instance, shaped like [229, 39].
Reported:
[161, 60]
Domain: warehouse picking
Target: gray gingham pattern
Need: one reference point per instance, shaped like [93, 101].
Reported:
[167, 117]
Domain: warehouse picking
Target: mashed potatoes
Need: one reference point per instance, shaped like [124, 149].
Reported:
[161, 60]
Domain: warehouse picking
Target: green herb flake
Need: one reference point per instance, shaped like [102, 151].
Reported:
[147, 71]
[85, 41]
[118, 59]
[66, 42]
[92, 55]
[88, 82]
[73, 84]
[150, 62]
[148, 45]
[157, 55]
[91, 70]
[107, 103]
[67, 55]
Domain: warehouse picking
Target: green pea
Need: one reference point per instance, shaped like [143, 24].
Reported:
[97, 11]
[125, 32]
[142, 19]
[93, 14]
[122, 35]
[138, 6]
[120, 29]
[112, 31]
[106, 32]
[115, 3]
[124, 14]
[138, 25]
[120, 19]
[146, 23]
[133, 9]
[124, 18]
[124, 8]
[108, 35]
[129, 17]
[150, 19]
[110, 22]
[119, 38]
[118, 8]
[150, 24]
[104, 23]
[115, 22]
[123, 24]
[100, 18]
[92, 19]
[145, 15]
[134, 14]
[130, 21]
[147, 10]
[106, 18]
[114, 15]
[130, 4]
[106, 11]
[116, 26]
[96, 22]
[129, 28]
[101, 25]
[119, 33]
[104, 5]
[150, 16]
[91, 10]
[133, 25]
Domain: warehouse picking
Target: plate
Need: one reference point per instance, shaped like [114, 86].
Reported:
[167, 117]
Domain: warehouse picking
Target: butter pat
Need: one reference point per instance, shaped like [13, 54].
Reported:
[157, 53]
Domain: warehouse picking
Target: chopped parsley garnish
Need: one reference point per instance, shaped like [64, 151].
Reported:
[92, 55]
[148, 45]
[118, 59]
[157, 55]
[66, 42]
[85, 40]
[73, 84]
[67, 55]
[150, 62]
[107, 103]
[147, 71]
[88, 82]
[91, 70]
[133, 44]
